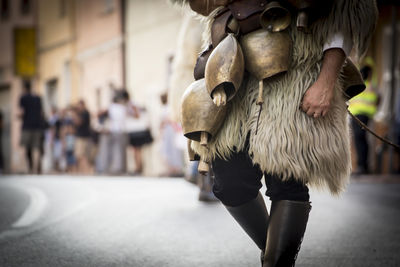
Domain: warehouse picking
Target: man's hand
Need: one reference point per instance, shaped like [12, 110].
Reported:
[317, 99]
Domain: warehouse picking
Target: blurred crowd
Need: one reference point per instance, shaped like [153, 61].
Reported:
[75, 140]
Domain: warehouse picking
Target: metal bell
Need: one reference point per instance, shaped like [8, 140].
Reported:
[275, 18]
[225, 67]
[306, 8]
[201, 118]
[302, 21]
[266, 53]
[353, 83]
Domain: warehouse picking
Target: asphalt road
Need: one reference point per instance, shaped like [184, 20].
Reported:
[140, 222]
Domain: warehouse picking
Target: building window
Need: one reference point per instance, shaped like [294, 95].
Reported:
[5, 9]
[25, 7]
[62, 8]
[98, 98]
[51, 94]
[2, 75]
[109, 6]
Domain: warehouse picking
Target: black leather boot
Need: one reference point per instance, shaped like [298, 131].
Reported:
[253, 218]
[285, 232]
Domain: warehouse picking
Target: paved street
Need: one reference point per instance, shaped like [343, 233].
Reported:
[140, 222]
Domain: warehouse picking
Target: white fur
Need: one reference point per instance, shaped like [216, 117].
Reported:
[290, 143]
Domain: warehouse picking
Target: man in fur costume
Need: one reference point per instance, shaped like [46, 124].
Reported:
[189, 43]
[290, 127]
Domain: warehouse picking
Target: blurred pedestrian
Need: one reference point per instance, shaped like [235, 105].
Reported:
[364, 107]
[55, 124]
[103, 156]
[69, 141]
[171, 137]
[83, 138]
[138, 129]
[117, 116]
[32, 127]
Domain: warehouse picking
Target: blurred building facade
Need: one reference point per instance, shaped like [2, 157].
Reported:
[99, 48]
[80, 51]
[151, 30]
[17, 18]
[57, 79]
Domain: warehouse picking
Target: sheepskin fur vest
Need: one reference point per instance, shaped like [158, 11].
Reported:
[290, 143]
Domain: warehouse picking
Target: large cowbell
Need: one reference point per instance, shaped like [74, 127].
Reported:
[266, 53]
[225, 67]
[199, 113]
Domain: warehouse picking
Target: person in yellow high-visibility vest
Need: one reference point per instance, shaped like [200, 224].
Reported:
[364, 107]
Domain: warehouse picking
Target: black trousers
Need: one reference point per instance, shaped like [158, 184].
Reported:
[361, 142]
[238, 181]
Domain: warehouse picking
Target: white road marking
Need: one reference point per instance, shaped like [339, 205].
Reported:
[37, 204]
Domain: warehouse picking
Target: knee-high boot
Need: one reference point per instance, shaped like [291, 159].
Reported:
[285, 232]
[253, 218]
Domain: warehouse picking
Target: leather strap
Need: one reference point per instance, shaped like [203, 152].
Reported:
[199, 68]
[247, 12]
[218, 33]
[218, 28]
[365, 127]
[242, 9]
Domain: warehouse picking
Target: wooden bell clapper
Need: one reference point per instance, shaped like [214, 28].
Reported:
[204, 139]
[204, 167]
[219, 96]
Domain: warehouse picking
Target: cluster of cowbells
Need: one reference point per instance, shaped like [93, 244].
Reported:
[264, 53]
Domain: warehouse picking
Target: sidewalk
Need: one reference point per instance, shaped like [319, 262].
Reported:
[376, 178]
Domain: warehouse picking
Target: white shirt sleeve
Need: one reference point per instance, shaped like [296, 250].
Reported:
[338, 40]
